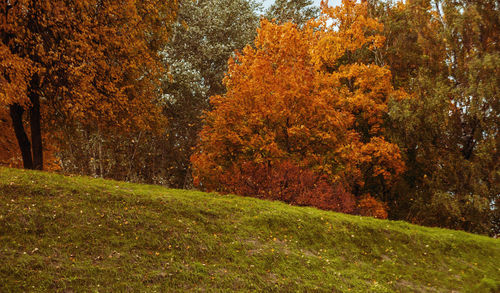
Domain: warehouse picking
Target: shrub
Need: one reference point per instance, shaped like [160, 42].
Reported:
[285, 181]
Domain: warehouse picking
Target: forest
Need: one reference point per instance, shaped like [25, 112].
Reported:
[388, 109]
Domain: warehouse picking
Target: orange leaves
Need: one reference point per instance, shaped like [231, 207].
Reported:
[298, 102]
[385, 158]
[9, 153]
[373, 159]
[88, 63]
[267, 111]
[96, 61]
[14, 77]
[344, 28]
[369, 206]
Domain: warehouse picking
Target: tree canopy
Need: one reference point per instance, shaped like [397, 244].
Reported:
[300, 95]
[95, 62]
[446, 54]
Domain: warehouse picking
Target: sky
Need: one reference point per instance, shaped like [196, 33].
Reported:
[267, 3]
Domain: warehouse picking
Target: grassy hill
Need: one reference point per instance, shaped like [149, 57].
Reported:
[80, 234]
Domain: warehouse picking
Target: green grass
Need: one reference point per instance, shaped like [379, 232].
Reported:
[80, 234]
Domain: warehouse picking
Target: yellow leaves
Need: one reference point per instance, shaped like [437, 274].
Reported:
[383, 157]
[328, 50]
[344, 28]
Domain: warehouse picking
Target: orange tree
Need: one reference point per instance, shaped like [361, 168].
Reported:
[95, 62]
[300, 95]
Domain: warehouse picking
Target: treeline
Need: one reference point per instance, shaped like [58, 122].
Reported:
[374, 108]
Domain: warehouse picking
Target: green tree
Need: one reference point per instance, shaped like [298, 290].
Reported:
[296, 11]
[206, 34]
[446, 54]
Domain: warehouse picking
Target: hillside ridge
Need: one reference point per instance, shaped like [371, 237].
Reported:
[61, 233]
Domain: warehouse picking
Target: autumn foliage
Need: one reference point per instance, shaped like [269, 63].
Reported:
[9, 153]
[299, 100]
[377, 108]
[84, 62]
[369, 206]
[288, 182]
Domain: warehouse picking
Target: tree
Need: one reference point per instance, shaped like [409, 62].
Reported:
[298, 95]
[445, 54]
[88, 62]
[205, 35]
[296, 11]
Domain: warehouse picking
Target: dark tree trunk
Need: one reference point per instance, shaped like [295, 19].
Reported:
[35, 123]
[16, 113]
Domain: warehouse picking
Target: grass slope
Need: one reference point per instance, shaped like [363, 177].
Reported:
[80, 234]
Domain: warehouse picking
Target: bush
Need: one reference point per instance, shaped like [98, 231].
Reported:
[285, 181]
